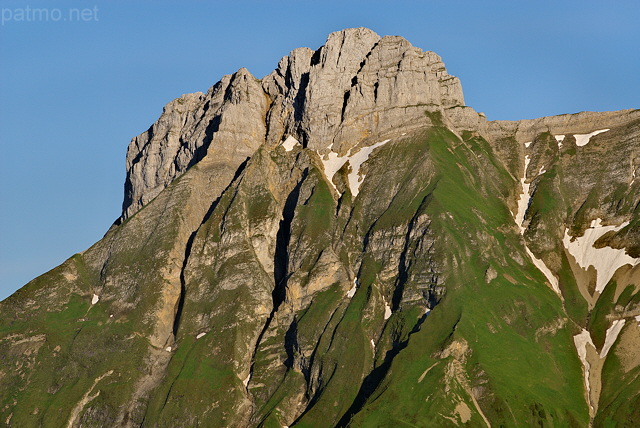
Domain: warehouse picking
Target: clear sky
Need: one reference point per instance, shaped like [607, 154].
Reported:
[76, 86]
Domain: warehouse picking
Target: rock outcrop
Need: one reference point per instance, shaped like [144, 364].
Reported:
[227, 122]
[355, 89]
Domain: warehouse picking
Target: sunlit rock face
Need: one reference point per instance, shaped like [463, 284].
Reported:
[355, 88]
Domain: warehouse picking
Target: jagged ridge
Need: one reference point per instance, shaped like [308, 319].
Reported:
[357, 85]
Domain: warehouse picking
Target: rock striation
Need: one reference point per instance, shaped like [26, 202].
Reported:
[227, 122]
[355, 89]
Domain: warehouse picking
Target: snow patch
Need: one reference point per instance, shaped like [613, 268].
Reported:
[638, 319]
[95, 299]
[523, 205]
[545, 270]
[168, 349]
[559, 139]
[527, 144]
[373, 344]
[246, 381]
[523, 202]
[289, 143]
[356, 160]
[611, 336]
[583, 139]
[542, 170]
[352, 291]
[333, 163]
[605, 260]
[387, 311]
[200, 335]
[581, 340]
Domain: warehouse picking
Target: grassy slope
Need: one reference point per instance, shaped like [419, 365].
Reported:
[83, 341]
[526, 377]
[505, 340]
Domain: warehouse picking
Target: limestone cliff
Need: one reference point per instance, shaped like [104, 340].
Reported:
[355, 89]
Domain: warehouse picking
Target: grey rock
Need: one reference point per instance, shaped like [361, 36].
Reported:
[226, 123]
[356, 89]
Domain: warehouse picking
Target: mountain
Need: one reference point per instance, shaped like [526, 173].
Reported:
[344, 242]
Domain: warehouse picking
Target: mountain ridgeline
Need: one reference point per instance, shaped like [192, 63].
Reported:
[345, 243]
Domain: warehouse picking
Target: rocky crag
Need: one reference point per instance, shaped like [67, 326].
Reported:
[344, 242]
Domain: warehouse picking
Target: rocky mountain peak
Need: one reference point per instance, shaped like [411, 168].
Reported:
[355, 89]
[344, 243]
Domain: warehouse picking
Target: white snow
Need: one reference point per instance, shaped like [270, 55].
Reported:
[583, 139]
[289, 143]
[373, 344]
[581, 340]
[168, 349]
[333, 163]
[523, 202]
[95, 299]
[605, 260]
[559, 139]
[611, 336]
[545, 270]
[356, 160]
[111, 316]
[387, 311]
[527, 144]
[246, 381]
[638, 320]
[352, 291]
[200, 335]
[542, 170]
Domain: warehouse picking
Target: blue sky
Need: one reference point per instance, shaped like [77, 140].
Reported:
[73, 92]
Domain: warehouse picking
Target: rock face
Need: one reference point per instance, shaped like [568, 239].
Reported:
[357, 85]
[356, 88]
[344, 243]
[227, 122]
